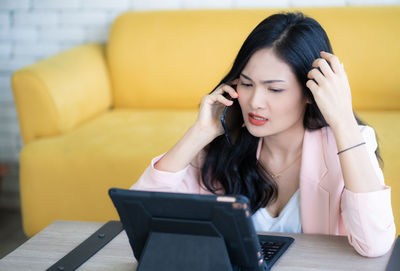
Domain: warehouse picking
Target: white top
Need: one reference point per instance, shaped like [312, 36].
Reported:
[289, 219]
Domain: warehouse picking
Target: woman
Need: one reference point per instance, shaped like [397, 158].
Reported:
[301, 156]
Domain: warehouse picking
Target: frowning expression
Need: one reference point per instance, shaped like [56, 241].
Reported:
[270, 96]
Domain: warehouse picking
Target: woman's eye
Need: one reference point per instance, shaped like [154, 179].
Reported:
[246, 85]
[275, 90]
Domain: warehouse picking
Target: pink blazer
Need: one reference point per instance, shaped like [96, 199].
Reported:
[326, 207]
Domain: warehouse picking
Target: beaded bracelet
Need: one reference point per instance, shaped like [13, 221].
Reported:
[362, 143]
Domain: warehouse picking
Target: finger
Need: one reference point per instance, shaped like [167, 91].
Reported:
[333, 61]
[219, 96]
[317, 76]
[312, 86]
[230, 90]
[224, 100]
[324, 67]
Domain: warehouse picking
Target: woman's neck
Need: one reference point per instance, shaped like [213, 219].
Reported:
[284, 145]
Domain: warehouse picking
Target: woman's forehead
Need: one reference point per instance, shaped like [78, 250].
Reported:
[264, 65]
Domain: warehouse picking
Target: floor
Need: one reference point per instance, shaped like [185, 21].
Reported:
[11, 234]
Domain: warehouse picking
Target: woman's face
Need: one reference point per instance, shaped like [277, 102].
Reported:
[270, 96]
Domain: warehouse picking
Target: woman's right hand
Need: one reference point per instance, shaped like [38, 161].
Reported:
[211, 108]
[206, 128]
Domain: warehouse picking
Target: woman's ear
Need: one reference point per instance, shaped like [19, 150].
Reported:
[235, 82]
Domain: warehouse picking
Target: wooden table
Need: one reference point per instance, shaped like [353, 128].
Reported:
[308, 252]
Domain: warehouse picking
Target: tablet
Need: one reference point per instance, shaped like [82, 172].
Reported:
[200, 232]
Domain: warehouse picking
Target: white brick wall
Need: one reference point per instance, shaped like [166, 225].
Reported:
[156, 4]
[8, 65]
[18, 34]
[108, 4]
[318, 3]
[4, 19]
[35, 50]
[5, 49]
[62, 34]
[5, 94]
[36, 18]
[84, 18]
[34, 29]
[261, 4]
[14, 4]
[56, 4]
[206, 4]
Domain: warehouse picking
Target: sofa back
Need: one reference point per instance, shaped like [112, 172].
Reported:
[170, 59]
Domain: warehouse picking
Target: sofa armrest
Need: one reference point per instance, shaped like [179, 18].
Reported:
[54, 95]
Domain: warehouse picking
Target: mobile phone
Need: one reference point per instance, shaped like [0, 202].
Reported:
[232, 121]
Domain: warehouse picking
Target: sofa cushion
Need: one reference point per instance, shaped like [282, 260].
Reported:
[110, 151]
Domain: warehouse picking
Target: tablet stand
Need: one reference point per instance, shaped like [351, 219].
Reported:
[173, 251]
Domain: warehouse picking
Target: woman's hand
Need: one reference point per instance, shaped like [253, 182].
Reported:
[331, 90]
[205, 129]
[211, 108]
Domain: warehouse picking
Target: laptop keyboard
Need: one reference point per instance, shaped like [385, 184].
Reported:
[273, 247]
[270, 249]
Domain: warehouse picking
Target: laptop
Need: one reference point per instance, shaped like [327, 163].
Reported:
[174, 231]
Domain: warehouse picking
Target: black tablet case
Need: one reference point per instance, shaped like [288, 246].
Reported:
[394, 261]
[189, 232]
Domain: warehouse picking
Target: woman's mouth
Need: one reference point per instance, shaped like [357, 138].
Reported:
[257, 120]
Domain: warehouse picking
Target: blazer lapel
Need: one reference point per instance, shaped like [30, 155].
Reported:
[314, 195]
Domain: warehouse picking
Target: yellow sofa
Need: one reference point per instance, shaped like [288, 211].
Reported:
[92, 117]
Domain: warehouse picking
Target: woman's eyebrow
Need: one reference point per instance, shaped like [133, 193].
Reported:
[263, 82]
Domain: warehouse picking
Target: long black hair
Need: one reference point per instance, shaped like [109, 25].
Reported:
[298, 41]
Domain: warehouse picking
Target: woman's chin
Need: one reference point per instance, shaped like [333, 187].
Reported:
[257, 131]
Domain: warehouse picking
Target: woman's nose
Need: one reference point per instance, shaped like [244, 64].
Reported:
[258, 98]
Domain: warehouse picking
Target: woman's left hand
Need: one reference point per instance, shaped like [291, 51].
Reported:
[331, 89]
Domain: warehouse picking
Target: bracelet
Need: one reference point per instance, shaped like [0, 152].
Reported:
[362, 143]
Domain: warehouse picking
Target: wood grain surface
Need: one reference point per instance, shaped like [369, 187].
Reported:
[308, 252]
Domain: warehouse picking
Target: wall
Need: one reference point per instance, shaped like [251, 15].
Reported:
[34, 29]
